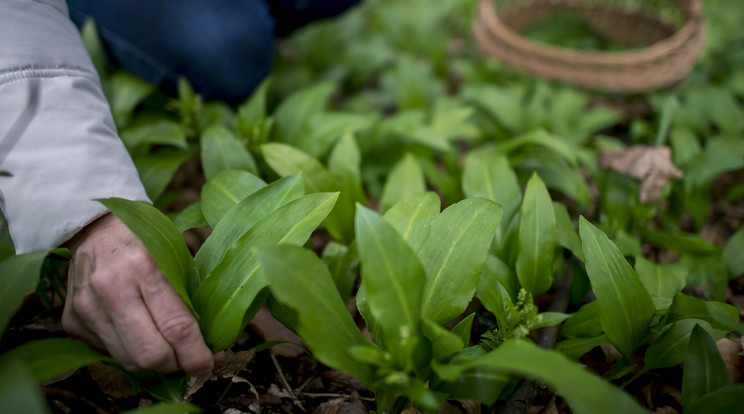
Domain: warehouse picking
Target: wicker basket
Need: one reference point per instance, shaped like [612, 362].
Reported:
[668, 54]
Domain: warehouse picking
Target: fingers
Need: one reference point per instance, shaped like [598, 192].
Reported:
[178, 326]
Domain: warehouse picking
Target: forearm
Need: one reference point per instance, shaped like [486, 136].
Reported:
[57, 136]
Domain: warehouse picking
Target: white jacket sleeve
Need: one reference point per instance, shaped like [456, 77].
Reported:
[57, 136]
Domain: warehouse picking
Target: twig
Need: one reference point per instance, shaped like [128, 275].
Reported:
[285, 383]
[522, 397]
[332, 395]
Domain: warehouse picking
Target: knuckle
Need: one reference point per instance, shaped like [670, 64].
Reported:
[152, 358]
[103, 284]
[82, 304]
[179, 330]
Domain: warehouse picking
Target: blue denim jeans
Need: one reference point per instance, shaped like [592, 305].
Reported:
[224, 47]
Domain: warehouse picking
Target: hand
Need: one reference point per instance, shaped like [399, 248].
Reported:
[118, 300]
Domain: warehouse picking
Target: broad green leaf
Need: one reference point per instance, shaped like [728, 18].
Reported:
[705, 371]
[720, 315]
[722, 401]
[537, 239]
[503, 104]
[496, 271]
[163, 241]
[412, 216]
[487, 174]
[343, 263]
[237, 280]
[324, 129]
[625, 307]
[19, 275]
[167, 408]
[294, 113]
[671, 347]
[567, 236]
[684, 145]
[241, 217]
[681, 242]
[732, 253]
[557, 173]
[661, 280]
[161, 132]
[668, 112]
[221, 150]
[156, 169]
[393, 278]
[546, 319]
[225, 190]
[574, 348]
[496, 299]
[444, 343]
[585, 322]
[584, 391]
[405, 179]
[190, 217]
[299, 280]
[19, 392]
[344, 164]
[476, 383]
[49, 358]
[126, 91]
[453, 256]
[539, 137]
[253, 111]
[286, 160]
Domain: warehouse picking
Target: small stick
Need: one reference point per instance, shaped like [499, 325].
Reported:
[285, 383]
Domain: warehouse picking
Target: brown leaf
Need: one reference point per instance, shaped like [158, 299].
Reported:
[338, 406]
[272, 330]
[228, 367]
[730, 353]
[652, 165]
[110, 381]
[665, 410]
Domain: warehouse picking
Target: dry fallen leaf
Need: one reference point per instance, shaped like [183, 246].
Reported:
[652, 165]
[111, 381]
[730, 353]
[272, 330]
[228, 367]
[338, 406]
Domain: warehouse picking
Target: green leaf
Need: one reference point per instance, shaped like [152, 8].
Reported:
[167, 408]
[294, 113]
[705, 371]
[496, 271]
[585, 322]
[225, 190]
[126, 91]
[19, 392]
[237, 280]
[556, 145]
[49, 358]
[453, 256]
[574, 348]
[722, 401]
[584, 392]
[252, 113]
[670, 348]
[537, 239]
[163, 241]
[625, 307]
[19, 275]
[477, 383]
[496, 299]
[732, 253]
[393, 278]
[680, 242]
[156, 169]
[190, 217]
[324, 129]
[405, 179]
[444, 343]
[567, 236]
[244, 215]
[720, 315]
[463, 328]
[412, 216]
[661, 280]
[546, 319]
[221, 150]
[299, 280]
[487, 174]
[159, 132]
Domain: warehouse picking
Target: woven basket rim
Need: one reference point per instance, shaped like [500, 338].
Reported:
[663, 63]
[654, 51]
